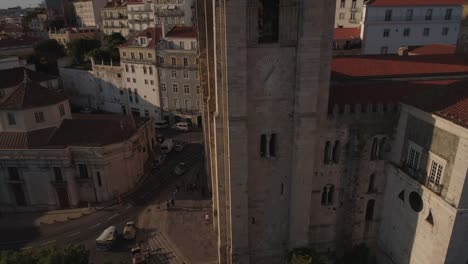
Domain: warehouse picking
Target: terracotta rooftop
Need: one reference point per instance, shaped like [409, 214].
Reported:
[30, 95]
[450, 103]
[346, 33]
[362, 67]
[13, 77]
[95, 130]
[434, 49]
[153, 33]
[414, 2]
[25, 140]
[182, 32]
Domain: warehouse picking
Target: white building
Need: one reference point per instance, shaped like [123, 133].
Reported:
[88, 12]
[140, 15]
[114, 18]
[174, 12]
[348, 13]
[388, 25]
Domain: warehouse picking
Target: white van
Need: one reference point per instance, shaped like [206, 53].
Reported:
[181, 126]
[167, 146]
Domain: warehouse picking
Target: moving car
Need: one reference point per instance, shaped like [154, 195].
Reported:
[181, 126]
[180, 169]
[129, 231]
[106, 239]
[179, 146]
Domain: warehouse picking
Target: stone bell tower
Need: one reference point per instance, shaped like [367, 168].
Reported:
[265, 70]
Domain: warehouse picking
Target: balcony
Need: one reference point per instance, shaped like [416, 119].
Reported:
[415, 19]
[422, 178]
[435, 187]
[140, 20]
[178, 67]
[137, 61]
[169, 12]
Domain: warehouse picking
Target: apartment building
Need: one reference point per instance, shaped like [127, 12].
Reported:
[388, 25]
[174, 12]
[114, 18]
[178, 75]
[66, 35]
[138, 60]
[52, 159]
[348, 13]
[88, 12]
[140, 15]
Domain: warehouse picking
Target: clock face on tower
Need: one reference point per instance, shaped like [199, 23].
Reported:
[271, 73]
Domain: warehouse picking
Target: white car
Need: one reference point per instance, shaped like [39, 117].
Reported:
[129, 231]
[181, 126]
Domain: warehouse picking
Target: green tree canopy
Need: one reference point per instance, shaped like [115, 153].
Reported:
[45, 56]
[79, 48]
[304, 256]
[52, 255]
[113, 42]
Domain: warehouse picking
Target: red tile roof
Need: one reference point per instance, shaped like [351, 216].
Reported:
[25, 140]
[397, 66]
[153, 33]
[450, 103]
[30, 95]
[18, 42]
[182, 32]
[94, 130]
[14, 76]
[414, 2]
[346, 33]
[433, 50]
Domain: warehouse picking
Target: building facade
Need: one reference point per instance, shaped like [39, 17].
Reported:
[174, 12]
[387, 26]
[348, 13]
[66, 35]
[140, 15]
[265, 81]
[88, 12]
[178, 75]
[49, 161]
[114, 18]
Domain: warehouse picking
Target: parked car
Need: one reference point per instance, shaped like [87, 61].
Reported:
[159, 162]
[167, 146]
[129, 231]
[162, 124]
[107, 238]
[180, 169]
[179, 146]
[181, 126]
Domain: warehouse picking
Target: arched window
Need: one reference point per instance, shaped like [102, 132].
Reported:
[371, 187]
[336, 152]
[272, 145]
[327, 153]
[375, 147]
[370, 210]
[381, 148]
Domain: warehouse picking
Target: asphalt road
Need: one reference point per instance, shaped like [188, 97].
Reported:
[86, 229]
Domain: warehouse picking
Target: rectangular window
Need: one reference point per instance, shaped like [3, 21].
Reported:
[388, 15]
[163, 87]
[141, 56]
[126, 68]
[384, 50]
[182, 46]
[409, 14]
[186, 75]
[13, 174]
[268, 21]
[353, 16]
[448, 14]
[176, 104]
[165, 102]
[428, 14]
[186, 88]
[185, 62]
[150, 70]
[134, 80]
[146, 81]
[39, 116]
[144, 69]
[342, 16]
[11, 119]
[161, 60]
[174, 61]
[272, 145]
[188, 105]
[132, 55]
[174, 74]
[99, 180]
[435, 173]
[193, 45]
[414, 154]
[133, 69]
[146, 113]
[342, 4]
[150, 55]
[386, 33]
[62, 110]
[83, 171]
[58, 177]
[406, 32]
[426, 32]
[152, 82]
[175, 88]
[124, 54]
[445, 31]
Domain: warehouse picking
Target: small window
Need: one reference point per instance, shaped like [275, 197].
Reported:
[370, 210]
[186, 74]
[39, 116]
[126, 68]
[182, 45]
[175, 88]
[263, 144]
[428, 14]
[124, 54]
[152, 83]
[188, 105]
[133, 69]
[341, 16]
[174, 61]
[161, 60]
[62, 110]
[58, 177]
[150, 70]
[176, 103]
[342, 4]
[426, 32]
[388, 15]
[445, 31]
[150, 55]
[141, 56]
[386, 33]
[99, 180]
[268, 21]
[381, 149]
[163, 87]
[13, 174]
[144, 69]
[146, 81]
[128, 79]
[134, 80]
[406, 32]
[327, 153]
[174, 74]
[146, 113]
[83, 171]
[185, 62]
[448, 14]
[336, 152]
[328, 194]
[186, 88]
[272, 145]
[409, 14]
[414, 154]
[11, 119]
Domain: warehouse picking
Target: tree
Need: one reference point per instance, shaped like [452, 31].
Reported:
[52, 255]
[304, 256]
[113, 42]
[79, 48]
[45, 56]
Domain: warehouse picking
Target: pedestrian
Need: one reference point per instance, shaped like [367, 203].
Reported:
[173, 203]
[207, 218]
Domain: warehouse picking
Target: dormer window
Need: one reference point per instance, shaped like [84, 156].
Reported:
[143, 41]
